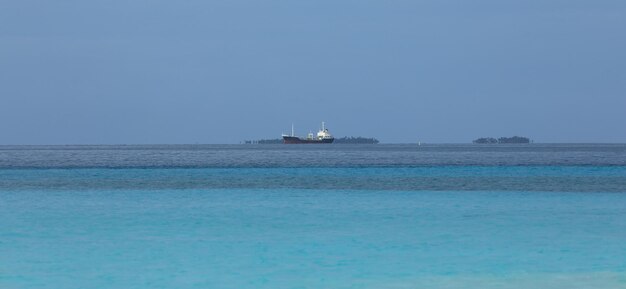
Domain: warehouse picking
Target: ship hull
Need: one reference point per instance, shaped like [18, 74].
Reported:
[297, 140]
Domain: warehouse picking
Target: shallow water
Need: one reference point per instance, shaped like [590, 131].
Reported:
[372, 217]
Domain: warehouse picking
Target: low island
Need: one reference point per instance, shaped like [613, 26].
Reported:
[502, 140]
[264, 141]
[342, 140]
[356, 140]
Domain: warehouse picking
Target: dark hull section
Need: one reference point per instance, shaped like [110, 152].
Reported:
[297, 140]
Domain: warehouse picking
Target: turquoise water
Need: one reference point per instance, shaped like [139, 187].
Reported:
[104, 224]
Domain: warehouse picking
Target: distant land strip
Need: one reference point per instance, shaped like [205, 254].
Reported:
[343, 140]
[502, 140]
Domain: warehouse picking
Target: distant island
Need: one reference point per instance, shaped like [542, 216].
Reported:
[343, 140]
[265, 141]
[356, 140]
[502, 140]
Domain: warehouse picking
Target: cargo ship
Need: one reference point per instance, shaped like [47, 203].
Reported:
[323, 136]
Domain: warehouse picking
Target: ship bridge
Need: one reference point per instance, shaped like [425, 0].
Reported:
[323, 133]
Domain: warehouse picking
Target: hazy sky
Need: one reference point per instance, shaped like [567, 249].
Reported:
[207, 71]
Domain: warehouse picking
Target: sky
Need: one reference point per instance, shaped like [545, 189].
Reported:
[197, 71]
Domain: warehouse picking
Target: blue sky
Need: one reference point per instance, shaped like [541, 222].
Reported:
[102, 72]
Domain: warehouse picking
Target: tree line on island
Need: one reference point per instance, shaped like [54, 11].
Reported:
[356, 140]
[502, 140]
[343, 140]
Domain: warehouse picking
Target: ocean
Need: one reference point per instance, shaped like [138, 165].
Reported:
[313, 216]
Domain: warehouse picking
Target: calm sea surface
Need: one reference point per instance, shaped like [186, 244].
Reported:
[313, 216]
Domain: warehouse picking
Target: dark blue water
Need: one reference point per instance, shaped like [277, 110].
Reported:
[315, 216]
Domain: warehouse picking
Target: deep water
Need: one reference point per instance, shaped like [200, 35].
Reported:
[315, 216]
